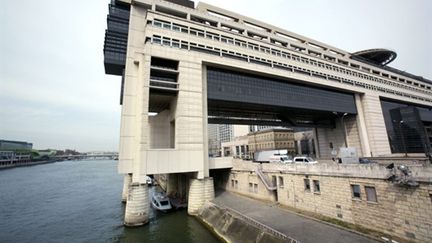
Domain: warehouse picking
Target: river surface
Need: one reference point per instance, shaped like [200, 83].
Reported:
[80, 201]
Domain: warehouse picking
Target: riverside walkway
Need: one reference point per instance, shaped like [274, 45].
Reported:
[300, 228]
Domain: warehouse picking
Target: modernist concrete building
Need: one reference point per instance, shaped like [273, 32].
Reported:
[184, 67]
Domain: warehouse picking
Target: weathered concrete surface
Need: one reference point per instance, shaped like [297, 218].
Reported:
[302, 229]
[137, 205]
[231, 227]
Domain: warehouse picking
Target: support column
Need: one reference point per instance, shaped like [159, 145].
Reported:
[137, 205]
[200, 191]
[172, 184]
[209, 192]
[374, 125]
[196, 193]
[126, 183]
[361, 124]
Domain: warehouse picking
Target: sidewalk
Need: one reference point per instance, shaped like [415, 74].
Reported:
[300, 228]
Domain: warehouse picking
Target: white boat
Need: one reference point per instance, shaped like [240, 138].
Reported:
[160, 201]
[149, 180]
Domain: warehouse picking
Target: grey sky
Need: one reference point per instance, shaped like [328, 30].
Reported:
[54, 93]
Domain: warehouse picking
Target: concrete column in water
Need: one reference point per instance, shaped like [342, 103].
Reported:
[137, 205]
[126, 183]
[209, 192]
[200, 191]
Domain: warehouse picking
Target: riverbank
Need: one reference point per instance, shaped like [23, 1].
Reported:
[15, 165]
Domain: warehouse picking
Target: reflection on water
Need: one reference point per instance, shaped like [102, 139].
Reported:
[79, 201]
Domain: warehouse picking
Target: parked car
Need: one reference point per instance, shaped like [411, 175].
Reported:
[304, 159]
[280, 158]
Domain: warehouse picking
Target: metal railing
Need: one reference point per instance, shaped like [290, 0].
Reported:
[265, 181]
[257, 224]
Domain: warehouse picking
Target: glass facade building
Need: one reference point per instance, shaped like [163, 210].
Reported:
[408, 127]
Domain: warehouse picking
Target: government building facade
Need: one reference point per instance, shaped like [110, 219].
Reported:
[183, 67]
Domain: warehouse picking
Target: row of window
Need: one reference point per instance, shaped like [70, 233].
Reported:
[369, 190]
[224, 53]
[279, 53]
[260, 146]
[315, 187]
[261, 137]
[253, 187]
[315, 184]
[251, 33]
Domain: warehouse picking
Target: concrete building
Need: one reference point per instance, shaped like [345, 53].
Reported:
[272, 139]
[305, 143]
[256, 128]
[184, 67]
[237, 148]
[223, 133]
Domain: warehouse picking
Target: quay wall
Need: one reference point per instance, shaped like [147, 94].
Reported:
[404, 212]
[21, 164]
[232, 226]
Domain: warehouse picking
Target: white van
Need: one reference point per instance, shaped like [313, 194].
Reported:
[280, 158]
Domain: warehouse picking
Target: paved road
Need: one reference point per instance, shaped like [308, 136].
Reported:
[300, 228]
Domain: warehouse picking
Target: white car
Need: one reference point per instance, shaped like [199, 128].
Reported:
[280, 159]
[304, 159]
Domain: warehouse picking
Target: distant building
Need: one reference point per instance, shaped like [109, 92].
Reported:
[14, 145]
[223, 133]
[272, 139]
[238, 148]
[305, 143]
[256, 128]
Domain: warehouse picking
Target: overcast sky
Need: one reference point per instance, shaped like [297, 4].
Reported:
[54, 93]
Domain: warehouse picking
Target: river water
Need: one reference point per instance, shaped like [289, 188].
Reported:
[80, 201]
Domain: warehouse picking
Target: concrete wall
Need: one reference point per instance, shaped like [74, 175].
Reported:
[160, 130]
[399, 211]
[233, 227]
[374, 119]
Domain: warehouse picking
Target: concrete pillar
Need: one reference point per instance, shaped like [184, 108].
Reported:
[209, 192]
[126, 183]
[361, 124]
[200, 191]
[196, 196]
[172, 184]
[137, 205]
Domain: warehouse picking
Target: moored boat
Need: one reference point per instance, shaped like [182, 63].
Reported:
[160, 201]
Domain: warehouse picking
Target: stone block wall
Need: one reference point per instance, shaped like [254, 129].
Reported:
[400, 211]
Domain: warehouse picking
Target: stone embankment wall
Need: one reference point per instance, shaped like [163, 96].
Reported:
[381, 205]
[232, 226]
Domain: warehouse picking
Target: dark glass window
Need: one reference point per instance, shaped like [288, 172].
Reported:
[407, 127]
[306, 184]
[356, 191]
[247, 88]
[317, 187]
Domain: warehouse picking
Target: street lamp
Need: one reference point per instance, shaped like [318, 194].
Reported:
[343, 126]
